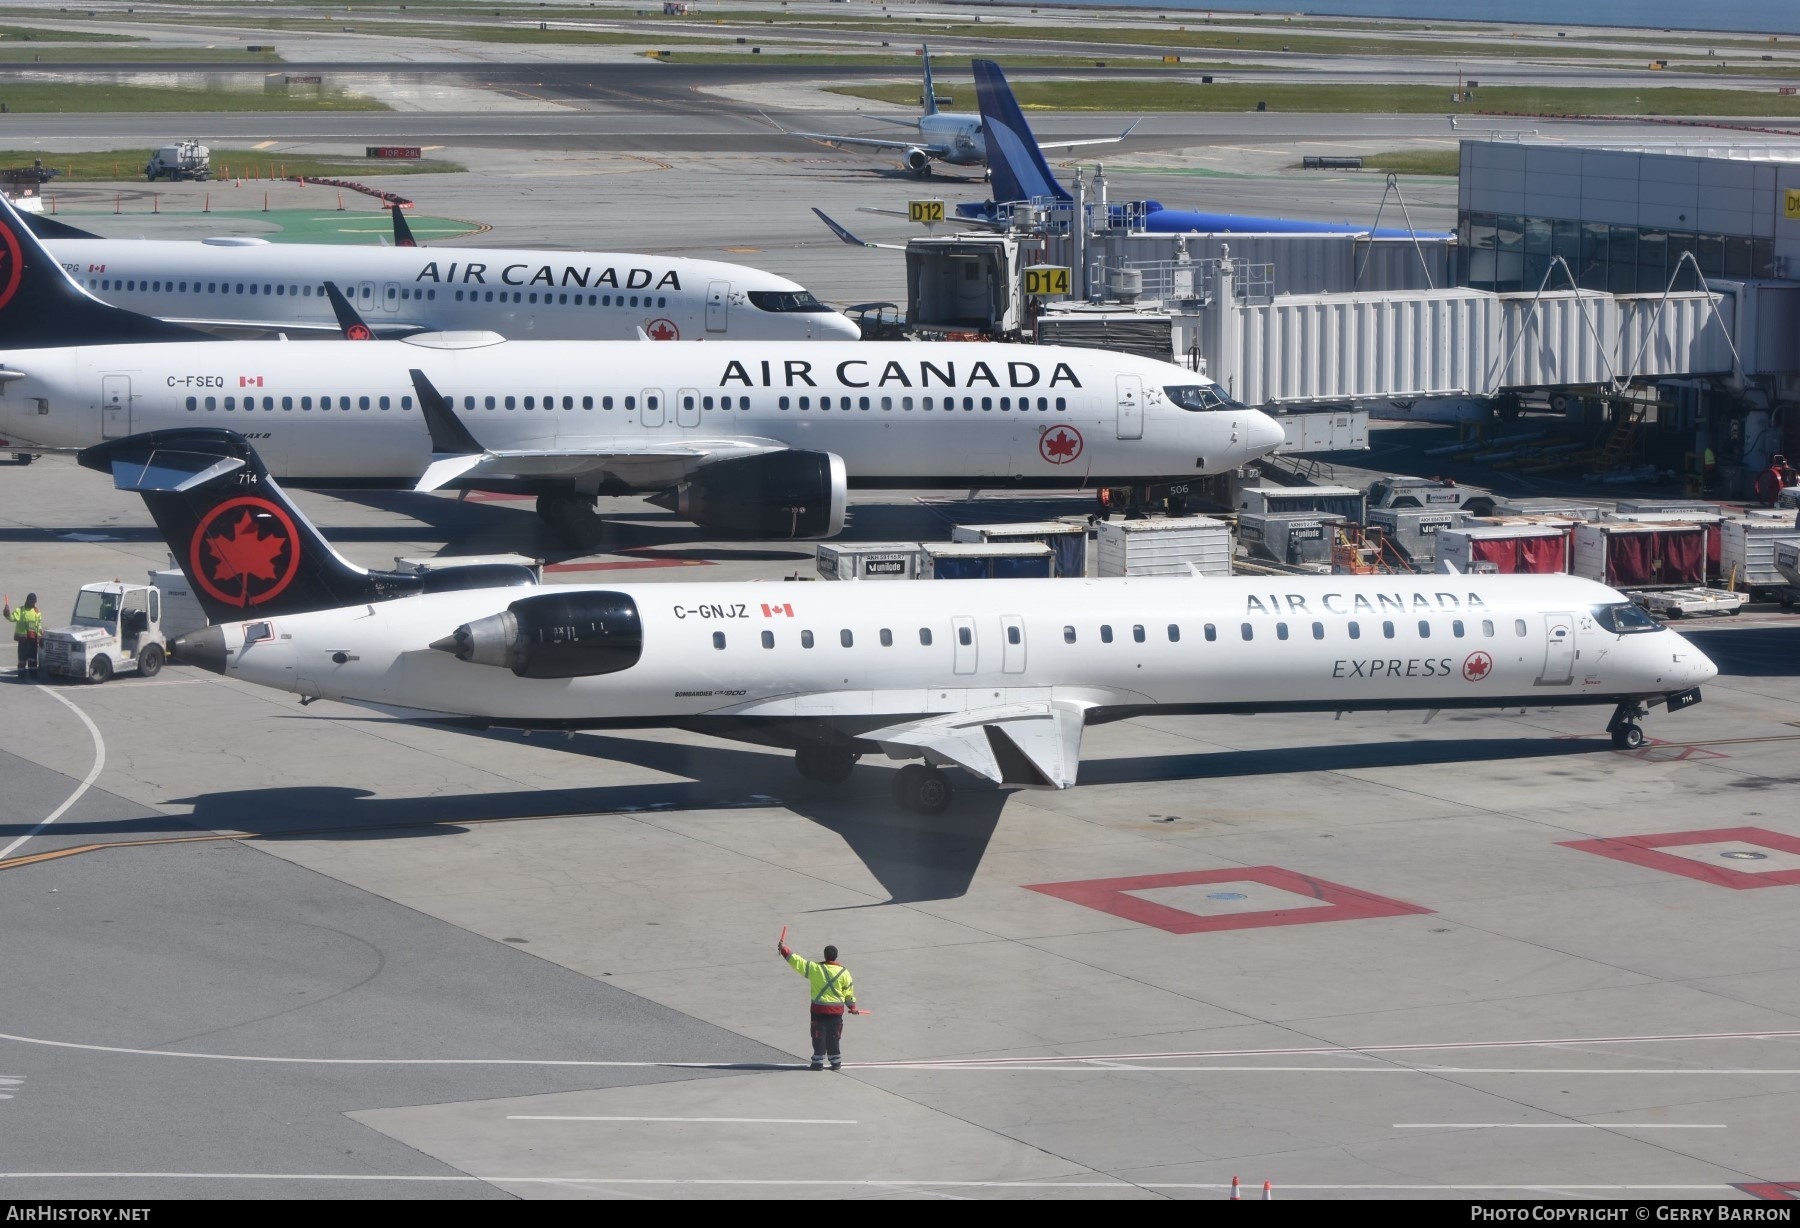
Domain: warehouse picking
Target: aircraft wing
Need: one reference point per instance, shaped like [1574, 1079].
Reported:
[935, 148]
[843, 233]
[629, 459]
[1094, 140]
[1037, 745]
[310, 328]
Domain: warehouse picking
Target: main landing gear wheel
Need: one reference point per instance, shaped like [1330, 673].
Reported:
[921, 789]
[572, 518]
[826, 764]
[1629, 736]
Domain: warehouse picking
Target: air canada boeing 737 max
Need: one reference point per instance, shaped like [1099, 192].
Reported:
[761, 438]
[999, 677]
[248, 284]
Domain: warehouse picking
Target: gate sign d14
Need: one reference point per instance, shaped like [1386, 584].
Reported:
[1046, 279]
[925, 212]
[1790, 203]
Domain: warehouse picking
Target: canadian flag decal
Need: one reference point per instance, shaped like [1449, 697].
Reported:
[250, 381]
[777, 611]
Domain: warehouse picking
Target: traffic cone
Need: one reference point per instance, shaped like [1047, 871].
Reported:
[1268, 1191]
[156, 202]
[118, 202]
[340, 207]
[207, 207]
[265, 202]
[1235, 1195]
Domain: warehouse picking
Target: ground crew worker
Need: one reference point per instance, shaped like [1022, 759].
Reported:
[28, 630]
[832, 994]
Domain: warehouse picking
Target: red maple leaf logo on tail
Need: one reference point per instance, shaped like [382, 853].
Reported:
[245, 555]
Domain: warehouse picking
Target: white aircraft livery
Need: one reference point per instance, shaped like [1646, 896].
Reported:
[247, 284]
[956, 139]
[758, 438]
[999, 677]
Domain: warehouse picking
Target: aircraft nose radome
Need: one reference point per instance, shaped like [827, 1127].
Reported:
[1263, 435]
[836, 327]
[205, 648]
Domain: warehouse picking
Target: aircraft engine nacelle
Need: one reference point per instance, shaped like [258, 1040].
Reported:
[918, 161]
[554, 635]
[793, 494]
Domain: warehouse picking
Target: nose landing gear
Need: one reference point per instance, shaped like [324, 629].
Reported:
[1626, 733]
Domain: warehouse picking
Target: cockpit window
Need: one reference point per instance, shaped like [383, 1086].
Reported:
[1199, 398]
[785, 300]
[1624, 619]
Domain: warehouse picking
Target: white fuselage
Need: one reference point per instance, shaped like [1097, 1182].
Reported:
[959, 135]
[860, 655]
[543, 295]
[341, 412]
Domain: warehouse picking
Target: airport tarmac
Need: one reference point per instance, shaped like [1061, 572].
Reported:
[259, 949]
[266, 950]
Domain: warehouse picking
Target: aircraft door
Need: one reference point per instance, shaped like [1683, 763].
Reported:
[1012, 644]
[963, 628]
[654, 413]
[115, 406]
[365, 297]
[718, 302]
[687, 407]
[1131, 407]
[1559, 650]
[390, 297]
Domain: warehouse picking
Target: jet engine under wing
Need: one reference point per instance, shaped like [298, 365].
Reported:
[1037, 745]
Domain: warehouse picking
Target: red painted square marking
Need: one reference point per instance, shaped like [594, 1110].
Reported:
[1771, 1191]
[1113, 895]
[1647, 851]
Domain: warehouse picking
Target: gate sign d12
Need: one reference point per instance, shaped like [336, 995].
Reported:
[925, 212]
[1790, 203]
[1047, 279]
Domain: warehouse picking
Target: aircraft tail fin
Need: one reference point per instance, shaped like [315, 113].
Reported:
[245, 548]
[403, 235]
[1015, 162]
[928, 99]
[240, 541]
[41, 305]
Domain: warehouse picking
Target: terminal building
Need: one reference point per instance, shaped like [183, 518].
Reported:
[1643, 291]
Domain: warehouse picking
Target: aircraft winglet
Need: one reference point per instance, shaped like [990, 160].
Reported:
[352, 324]
[843, 233]
[449, 435]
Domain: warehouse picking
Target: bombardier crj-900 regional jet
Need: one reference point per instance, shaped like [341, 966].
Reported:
[999, 677]
[244, 285]
[759, 438]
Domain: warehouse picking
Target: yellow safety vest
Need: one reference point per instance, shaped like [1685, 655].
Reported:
[27, 622]
[830, 983]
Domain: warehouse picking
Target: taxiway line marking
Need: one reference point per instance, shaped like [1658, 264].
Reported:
[816, 1182]
[87, 781]
[1552, 1125]
[720, 1120]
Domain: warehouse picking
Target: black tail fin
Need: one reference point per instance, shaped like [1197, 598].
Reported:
[49, 228]
[42, 306]
[403, 235]
[240, 541]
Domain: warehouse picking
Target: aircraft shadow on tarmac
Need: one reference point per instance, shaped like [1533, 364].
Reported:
[1752, 652]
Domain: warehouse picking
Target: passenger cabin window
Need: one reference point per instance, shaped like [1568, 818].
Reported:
[1318, 631]
[768, 639]
[1424, 629]
[1174, 633]
[1068, 632]
[1387, 630]
[1487, 628]
[718, 639]
[846, 638]
[1519, 627]
[925, 637]
[964, 636]
[1281, 631]
[1013, 635]
[1137, 633]
[1105, 634]
[806, 639]
[1210, 632]
[887, 638]
[1249, 631]
[1456, 627]
[1355, 630]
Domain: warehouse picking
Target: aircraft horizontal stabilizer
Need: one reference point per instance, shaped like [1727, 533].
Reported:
[1036, 745]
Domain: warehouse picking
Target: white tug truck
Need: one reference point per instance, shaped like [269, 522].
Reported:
[115, 627]
[182, 160]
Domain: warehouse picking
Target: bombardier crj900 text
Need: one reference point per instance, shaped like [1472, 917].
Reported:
[999, 677]
[251, 285]
[753, 438]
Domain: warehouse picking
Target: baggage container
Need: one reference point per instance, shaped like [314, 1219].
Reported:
[988, 561]
[870, 560]
[1747, 551]
[1289, 537]
[1633, 507]
[1627, 555]
[1415, 529]
[1068, 542]
[1173, 546]
[1712, 521]
[1573, 509]
[1344, 501]
[1505, 549]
